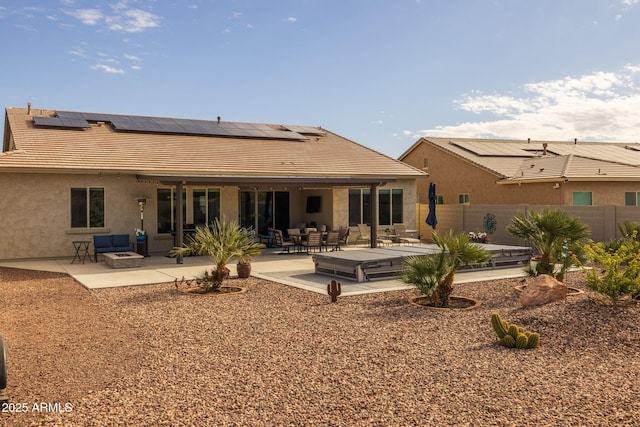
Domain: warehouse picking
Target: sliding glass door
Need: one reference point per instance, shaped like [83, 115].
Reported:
[262, 210]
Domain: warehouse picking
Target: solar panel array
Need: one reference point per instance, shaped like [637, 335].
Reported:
[60, 122]
[166, 125]
[306, 130]
[628, 154]
[490, 148]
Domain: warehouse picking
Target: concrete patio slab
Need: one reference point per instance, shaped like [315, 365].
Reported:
[297, 270]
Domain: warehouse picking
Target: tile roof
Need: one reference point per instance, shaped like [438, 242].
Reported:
[517, 160]
[101, 147]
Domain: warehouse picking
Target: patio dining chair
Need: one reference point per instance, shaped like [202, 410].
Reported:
[294, 235]
[343, 236]
[281, 243]
[314, 240]
[332, 241]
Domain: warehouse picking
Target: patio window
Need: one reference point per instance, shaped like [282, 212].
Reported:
[390, 207]
[87, 207]
[167, 209]
[261, 210]
[582, 198]
[205, 206]
[631, 198]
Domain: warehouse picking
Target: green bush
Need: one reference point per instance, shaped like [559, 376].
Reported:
[614, 269]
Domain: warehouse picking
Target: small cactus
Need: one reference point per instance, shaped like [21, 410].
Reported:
[513, 336]
[514, 331]
[334, 289]
[508, 341]
[521, 341]
[499, 325]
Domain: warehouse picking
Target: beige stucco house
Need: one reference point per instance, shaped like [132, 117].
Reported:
[514, 172]
[66, 176]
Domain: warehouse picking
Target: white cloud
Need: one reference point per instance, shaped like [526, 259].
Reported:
[87, 16]
[291, 19]
[630, 2]
[123, 20]
[598, 106]
[107, 69]
[131, 57]
[136, 67]
[132, 21]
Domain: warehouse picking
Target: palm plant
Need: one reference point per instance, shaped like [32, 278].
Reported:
[555, 235]
[433, 274]
[222, 242]
[627, 229]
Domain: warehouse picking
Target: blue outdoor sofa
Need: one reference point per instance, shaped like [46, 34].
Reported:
[111, 243]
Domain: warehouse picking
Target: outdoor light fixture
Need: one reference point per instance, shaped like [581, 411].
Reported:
[141, 203]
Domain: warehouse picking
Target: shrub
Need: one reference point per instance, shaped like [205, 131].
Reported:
[615, 271]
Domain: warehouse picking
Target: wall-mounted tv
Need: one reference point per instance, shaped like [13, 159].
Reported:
[314, 204]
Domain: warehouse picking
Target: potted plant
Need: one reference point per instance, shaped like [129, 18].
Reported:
[554, 235]
[433, 274]
[222, 242]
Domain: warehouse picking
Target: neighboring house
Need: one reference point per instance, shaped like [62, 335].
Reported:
[66, 176]
[508, 172]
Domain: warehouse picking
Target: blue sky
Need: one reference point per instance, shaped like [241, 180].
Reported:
[380, 72]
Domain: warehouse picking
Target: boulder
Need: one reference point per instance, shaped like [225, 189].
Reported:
[542, 289]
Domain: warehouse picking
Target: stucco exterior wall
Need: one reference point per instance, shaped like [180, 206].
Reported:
[36, 219]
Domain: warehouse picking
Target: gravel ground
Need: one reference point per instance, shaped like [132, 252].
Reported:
[276, 355]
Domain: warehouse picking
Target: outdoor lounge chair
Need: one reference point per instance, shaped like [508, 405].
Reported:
[281, 243]
[365, 233]
[403, 235]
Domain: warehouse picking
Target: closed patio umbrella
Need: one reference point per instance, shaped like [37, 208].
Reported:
[431, 217]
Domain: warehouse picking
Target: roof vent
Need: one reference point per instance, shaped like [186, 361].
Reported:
[28, 108]
[544, 149]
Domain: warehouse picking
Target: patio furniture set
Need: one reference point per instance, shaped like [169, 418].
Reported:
[397, 235]
[310, 239]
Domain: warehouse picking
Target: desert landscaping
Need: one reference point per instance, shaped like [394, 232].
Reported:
[276, 355]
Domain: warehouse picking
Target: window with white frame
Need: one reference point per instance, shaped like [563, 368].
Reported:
[87, 207]
[390, 206]
[464, 199]
[632, 198]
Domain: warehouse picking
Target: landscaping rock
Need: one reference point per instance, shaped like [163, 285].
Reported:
[541, 290]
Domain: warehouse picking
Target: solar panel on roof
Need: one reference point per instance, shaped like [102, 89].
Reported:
[305, 130]
[62, 123]
[171, 125]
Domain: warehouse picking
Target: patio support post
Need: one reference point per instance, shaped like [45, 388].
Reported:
[179, 219]
[374, 215]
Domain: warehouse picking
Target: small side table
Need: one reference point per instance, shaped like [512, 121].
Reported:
[82, 251]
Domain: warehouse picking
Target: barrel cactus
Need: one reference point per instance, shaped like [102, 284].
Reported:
[513, 336]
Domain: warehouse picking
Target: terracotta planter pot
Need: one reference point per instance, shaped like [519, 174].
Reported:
[472, 303]
[244, 270]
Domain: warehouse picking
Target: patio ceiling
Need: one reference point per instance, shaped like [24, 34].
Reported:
[306, 181]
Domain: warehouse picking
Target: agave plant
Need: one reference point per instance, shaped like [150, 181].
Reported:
[433, 274]
[222, 242]
[556, 236]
